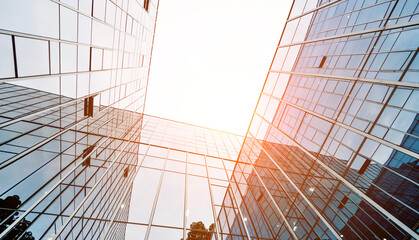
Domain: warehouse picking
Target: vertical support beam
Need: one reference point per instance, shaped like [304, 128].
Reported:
[156, 198]
[14, 56]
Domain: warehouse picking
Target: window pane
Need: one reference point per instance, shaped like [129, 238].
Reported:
[169, 210]
[32, 57]
[6, 57]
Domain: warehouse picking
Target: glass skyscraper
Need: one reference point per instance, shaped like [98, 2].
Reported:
[331, 151]
[73, 78]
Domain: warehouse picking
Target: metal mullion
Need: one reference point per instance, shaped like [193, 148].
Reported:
[40, 126]
[14, 55]
[7, 88]
[175, 149]
[384, 105]
[223, 210]
[373, 30]
[354, 189]
[58, 154]
[53, 188]
[45, 38]
[291, 199]
[61, 171]
[264, 217]
[95, 18]
[244, 205]
[96, 219]
[318, 182]
[36, 112]
[114, 197]
[111, 193]
[132, 179]
[236, 209]
[89, 194]
[293, 204]
[91, 177]
[214, 213]
[106, 122]
[333, 197]
[62, 190]
[22, 107]
[31, 115]
[40, 144]
[352, 129]
[135, 175]
[185, 197]
[156, 198]
[313, 10]
[120, 139]
[309, 170]
[295, 186]
[59, 196]
[372, 160]
[22, 78]
[26, 94]
[354, 79]
[354, 11]
[151, 53]
[292, 233]
[109, 107]
[183, 124]
[234, 200]
[333, 192]
[118, 51]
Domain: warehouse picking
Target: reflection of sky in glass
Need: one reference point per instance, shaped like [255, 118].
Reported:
[176, 188]
[342, 104]
[335, 128]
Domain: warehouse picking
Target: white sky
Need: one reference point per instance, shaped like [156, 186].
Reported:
[211, 58]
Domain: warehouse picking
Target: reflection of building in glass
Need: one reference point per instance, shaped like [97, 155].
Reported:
[332, 149]
[331, 152]
[395, 186]
[155, 186]
[73, 79]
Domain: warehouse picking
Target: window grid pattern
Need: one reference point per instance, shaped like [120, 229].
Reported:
[72, 168]
[331, 152]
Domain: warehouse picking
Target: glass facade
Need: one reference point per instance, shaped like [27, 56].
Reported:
[183, 174]
[332, 150]
[73, 78]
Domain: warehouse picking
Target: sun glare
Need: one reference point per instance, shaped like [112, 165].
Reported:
[210, 60]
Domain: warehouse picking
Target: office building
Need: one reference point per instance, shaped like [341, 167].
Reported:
[184, 171]
[331, 151]
[73, 78]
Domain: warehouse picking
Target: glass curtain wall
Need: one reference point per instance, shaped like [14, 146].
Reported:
[332, 151]
[73, 78]
[183, 174]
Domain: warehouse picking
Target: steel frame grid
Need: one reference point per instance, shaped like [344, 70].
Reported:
[396, 84]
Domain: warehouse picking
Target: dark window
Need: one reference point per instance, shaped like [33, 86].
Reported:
[364, 166]
[343, 202]
[126, 172]
[322, 62]
[146, 3]
[260, 195]
[85, 154]
[88, 106]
